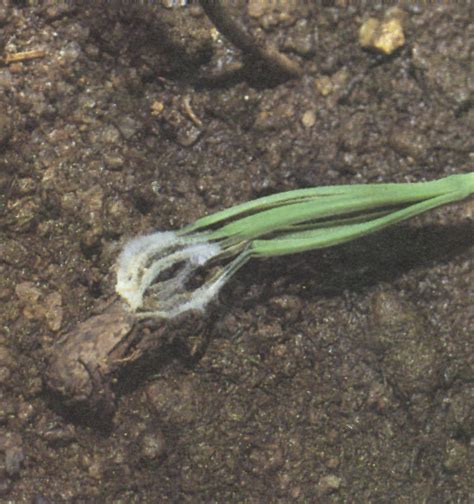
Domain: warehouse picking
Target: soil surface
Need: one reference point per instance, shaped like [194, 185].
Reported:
[344, 375]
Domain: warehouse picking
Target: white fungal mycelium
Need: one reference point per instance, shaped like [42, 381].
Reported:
[145, 258]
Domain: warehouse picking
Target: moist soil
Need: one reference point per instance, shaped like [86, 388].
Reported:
[342, 375]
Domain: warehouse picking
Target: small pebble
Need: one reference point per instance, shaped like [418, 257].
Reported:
[383, 36]
[308, 119]
[53, 311]
[27, 292]
[128, 126]
[328, 484]
[153, 445]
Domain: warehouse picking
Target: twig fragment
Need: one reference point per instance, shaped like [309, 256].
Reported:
[233, 30]
[23, 56]
[190, 112]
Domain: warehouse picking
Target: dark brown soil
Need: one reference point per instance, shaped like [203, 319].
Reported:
[337, 376]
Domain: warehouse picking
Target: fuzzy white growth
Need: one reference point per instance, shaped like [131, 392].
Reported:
[132, 261]
[144, 258]
[197, 300]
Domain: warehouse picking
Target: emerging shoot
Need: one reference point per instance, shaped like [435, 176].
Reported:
[157, 273]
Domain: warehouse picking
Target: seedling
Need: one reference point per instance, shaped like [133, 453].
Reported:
[155, 270]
